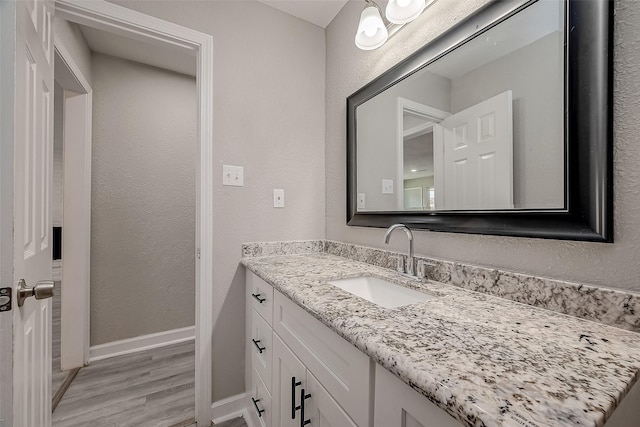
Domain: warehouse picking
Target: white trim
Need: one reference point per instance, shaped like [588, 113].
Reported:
[230, 408]
[141, 343]
[120, 20]
[76, 220]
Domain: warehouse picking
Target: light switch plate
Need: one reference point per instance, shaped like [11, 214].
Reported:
[387, 186]
[361, 202]
[233, 175]
[278, 198]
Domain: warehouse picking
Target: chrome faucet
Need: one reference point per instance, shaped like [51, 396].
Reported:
[409, 267]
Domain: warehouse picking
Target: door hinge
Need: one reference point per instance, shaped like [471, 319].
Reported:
[5, 299]
[198, 253]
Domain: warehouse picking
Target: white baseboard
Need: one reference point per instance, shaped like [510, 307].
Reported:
[230, 408]
[144, 342]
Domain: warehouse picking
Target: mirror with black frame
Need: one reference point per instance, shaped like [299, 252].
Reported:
[502, 126]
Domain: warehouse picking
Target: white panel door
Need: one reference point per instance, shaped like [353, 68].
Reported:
[289, 377]
[477, 150]
[33, 164]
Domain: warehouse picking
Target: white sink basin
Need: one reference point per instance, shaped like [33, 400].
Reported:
[380, 292]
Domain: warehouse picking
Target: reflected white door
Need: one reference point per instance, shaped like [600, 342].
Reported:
[33, 164]
[476, 157]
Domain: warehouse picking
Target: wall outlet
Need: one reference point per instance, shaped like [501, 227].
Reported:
[278, 198]
[233, 175]
[387, 186]
[361, 203]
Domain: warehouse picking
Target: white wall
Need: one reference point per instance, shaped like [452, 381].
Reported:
[142, 200]
[269, 109]
[610, 265]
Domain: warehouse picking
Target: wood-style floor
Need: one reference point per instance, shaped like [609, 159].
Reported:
[154, 388]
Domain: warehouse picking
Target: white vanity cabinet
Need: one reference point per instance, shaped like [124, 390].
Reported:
[287, 350]
[398, 405]
[293, 357]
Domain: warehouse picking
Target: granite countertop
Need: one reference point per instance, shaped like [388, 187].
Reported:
[485, 360]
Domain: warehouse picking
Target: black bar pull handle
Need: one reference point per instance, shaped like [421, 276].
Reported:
[303, 396]
[294, 408]
[257, 344]
[255, 403]
[257, 296]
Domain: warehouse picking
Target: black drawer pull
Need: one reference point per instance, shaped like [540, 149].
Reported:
[255, 403]
[303, 396]
[257, 296]
[256, 343]
[294, 408]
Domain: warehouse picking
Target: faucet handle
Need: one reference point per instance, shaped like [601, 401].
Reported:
[421, 267]
[410, 266]
[400, 263]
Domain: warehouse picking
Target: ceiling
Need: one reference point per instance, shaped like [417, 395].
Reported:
[318, 12]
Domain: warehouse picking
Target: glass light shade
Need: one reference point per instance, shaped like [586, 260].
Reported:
[403, 11]
[371, 31]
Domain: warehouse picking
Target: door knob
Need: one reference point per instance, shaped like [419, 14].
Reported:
[42, 290]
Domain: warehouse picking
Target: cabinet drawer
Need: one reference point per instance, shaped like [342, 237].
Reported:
[398, 405]
[260, 402]
[341, 368]
[260, 293]
[260, 343]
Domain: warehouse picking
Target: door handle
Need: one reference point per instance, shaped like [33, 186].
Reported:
[294, 408]
[257, 344]
[303, 396]
[257, 296]
[42, 290]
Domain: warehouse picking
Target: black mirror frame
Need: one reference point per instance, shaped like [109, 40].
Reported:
[588, 213]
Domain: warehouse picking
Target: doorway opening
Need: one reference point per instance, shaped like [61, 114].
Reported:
[126, 23]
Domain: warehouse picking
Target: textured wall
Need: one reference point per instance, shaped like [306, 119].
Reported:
[612, 265]
[142, 201]
[269, 86]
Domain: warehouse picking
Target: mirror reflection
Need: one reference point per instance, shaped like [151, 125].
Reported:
[481, 128]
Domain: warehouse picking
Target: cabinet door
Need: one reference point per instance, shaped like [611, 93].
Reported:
[398, 405]
[288, 379]
[320, 408]
[342, 369]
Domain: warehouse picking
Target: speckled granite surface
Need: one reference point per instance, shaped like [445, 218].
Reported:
[614, 308]
[487, 361]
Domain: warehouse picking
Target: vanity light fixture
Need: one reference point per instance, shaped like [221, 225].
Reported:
[372, 31]
[375, 28]
[404, 11]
